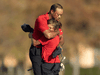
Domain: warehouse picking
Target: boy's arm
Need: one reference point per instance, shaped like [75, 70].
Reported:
[35, 42]
[42, 41]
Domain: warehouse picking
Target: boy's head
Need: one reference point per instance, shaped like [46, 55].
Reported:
[53, 24]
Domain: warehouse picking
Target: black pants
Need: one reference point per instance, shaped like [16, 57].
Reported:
[50, 69]
[35, 56]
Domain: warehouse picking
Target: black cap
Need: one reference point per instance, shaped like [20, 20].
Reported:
[27, 28]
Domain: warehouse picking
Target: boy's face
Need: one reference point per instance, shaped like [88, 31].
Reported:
[51, 27]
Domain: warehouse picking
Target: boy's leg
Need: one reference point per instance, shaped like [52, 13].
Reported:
[56, 68]
[46, 69]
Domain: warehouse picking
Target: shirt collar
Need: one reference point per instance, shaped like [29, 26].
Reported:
[47, 15]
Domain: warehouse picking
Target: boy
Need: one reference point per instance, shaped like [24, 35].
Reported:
[50, 66]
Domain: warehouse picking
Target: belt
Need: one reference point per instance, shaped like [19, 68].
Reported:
[38, 46]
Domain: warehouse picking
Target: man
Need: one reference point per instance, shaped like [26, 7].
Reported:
[41, 28]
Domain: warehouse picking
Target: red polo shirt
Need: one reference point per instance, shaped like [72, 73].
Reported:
[40, 26]
[48, 47]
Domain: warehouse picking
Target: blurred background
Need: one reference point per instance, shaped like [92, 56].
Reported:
[81, 31]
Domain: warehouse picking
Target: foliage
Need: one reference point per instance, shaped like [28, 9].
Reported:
[80, 23]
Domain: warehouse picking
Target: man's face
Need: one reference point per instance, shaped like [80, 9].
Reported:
[57, 14]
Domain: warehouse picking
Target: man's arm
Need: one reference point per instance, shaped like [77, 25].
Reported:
[43, 27]
[50, 34]
[59, 47]
[61, 40]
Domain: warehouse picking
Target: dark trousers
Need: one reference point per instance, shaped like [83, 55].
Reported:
[50, 68]
[35, 56]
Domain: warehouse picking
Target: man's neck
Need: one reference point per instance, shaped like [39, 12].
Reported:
[50, 16]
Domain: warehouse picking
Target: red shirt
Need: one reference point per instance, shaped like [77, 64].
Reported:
[48, 47]
[61, 32]
[40, 26]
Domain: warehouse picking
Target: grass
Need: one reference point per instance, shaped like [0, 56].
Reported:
[89, 71]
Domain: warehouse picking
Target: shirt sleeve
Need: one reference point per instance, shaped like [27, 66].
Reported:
[61, 32]
[42, 24]
[43, 40]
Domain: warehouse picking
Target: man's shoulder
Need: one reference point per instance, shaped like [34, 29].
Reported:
[43, 16]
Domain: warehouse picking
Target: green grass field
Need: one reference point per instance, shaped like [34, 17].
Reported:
[89, 71]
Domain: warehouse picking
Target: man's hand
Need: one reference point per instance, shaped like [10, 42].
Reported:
[56, 52]
[61, 48]
[62, 66]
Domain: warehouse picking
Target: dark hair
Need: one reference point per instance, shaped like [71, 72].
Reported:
[55, 6]
[55, 23]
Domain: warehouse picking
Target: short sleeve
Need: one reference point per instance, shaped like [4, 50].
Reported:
[43, 40]
[42, 24]
[61, 32]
